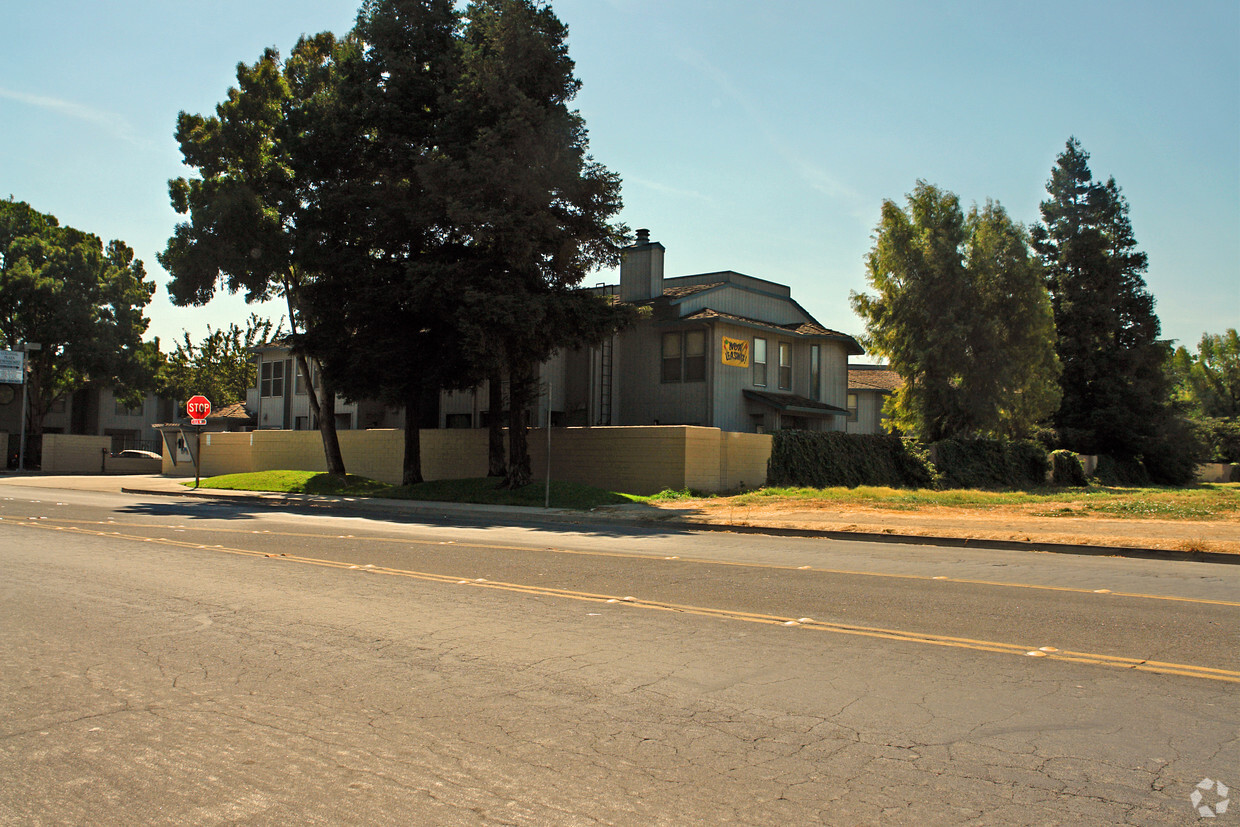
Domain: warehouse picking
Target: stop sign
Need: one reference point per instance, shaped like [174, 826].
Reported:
[198, 407]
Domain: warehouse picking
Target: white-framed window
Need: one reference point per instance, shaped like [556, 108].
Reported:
[759, 362]
[852, 407]
[785, 366]
[271, 382]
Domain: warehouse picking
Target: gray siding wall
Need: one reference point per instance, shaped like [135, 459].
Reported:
[641, 397]
[729, 299]
[869, 413]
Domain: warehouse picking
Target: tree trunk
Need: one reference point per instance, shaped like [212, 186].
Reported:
[495, 429]
[327, 425]
[519, 392]
[411, 467]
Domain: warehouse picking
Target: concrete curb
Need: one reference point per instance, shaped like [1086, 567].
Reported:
[560, 515]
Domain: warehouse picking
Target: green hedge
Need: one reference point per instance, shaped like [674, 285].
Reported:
[827, 459]
[990, 463]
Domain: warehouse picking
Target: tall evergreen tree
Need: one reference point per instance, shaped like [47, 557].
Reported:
[960, 312]
[382, 239]
[533, 210]
[1115, 391]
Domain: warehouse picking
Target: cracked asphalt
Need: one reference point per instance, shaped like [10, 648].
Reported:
[168, 660]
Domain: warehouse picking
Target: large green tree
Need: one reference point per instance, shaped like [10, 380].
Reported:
[220, 366]
[533, 210]
[1116, 394]
[261, 162]
[1207, 387]
[960, 312]
[1209, 380]
[383, 243]
[82, 301]
[465, 211]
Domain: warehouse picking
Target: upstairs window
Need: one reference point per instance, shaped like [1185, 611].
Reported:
[852, 407]
[672, 357]
[785, 366]
[815, 373]
[272, 379]
[684, 356]
[759, 362]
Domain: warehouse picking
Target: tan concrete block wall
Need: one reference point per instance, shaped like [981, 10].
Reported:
[131, 465]
[636, 460]
[222, 454]
[74, 454]
[1214, 472]
[743, 460]
[703, 459]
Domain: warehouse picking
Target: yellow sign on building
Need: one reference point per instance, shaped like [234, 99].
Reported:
[735, 352]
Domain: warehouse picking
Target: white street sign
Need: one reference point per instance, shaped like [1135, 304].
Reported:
[11, 367]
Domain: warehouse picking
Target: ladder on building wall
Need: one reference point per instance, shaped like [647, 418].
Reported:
[606, 353]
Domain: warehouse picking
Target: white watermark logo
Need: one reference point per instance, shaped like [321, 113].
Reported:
[1210, 798]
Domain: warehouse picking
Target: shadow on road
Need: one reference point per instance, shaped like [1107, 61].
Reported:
[250, 509]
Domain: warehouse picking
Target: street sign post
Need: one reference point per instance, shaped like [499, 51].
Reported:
[199, 408]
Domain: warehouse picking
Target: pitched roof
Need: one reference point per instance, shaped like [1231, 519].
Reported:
[236, 411]
[873, 378]
[796, 329]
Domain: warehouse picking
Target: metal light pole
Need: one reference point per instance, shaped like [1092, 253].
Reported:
[27, 347]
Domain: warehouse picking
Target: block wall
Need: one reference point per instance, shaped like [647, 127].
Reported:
[74, 454]
[637, 460]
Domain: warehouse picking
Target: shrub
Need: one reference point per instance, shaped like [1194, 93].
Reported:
[819, 459]
[964, 462]
[1066, 470]
[1121, 472]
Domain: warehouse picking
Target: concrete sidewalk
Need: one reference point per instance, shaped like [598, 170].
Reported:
[1158, 539]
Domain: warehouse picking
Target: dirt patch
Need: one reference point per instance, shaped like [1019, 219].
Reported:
[1007, 523]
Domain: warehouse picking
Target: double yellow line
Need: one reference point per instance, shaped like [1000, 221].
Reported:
[810, 624]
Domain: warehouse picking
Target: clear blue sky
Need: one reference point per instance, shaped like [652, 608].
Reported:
[754, 136]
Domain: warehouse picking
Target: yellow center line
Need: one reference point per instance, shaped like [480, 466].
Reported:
[664, 558]
[877, 632]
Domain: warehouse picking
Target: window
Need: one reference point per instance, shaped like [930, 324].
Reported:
[695, 355]
[124, 410]
[684, 356]
[459, 420]
[815, 373]
[272, 382]
[759, 362]
[299, 383]
[671, 357]
[852, 407]
[785, 366]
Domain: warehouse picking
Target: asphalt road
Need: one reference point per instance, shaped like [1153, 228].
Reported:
[168, 660]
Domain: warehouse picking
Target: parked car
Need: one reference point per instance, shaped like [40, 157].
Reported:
[134, 453]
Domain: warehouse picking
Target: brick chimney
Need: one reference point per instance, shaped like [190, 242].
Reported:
[641, 269]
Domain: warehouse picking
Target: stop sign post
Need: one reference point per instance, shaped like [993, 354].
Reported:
[199, 408]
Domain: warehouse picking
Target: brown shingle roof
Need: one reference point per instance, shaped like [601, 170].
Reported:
[873, 378]
[798, 328]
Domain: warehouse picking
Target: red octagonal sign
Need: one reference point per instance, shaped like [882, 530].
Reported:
[198, 408]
